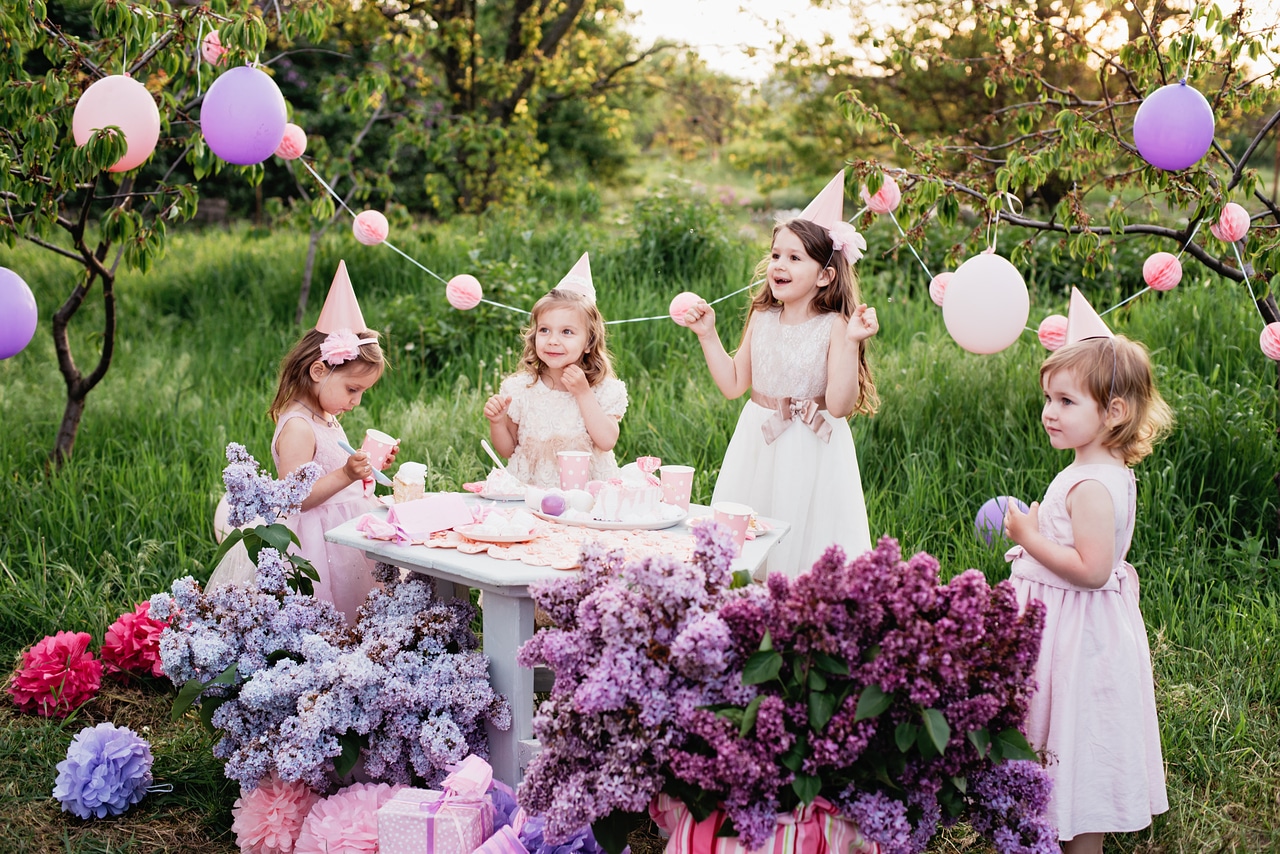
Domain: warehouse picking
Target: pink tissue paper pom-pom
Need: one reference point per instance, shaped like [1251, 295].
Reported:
[269, 819]
[339, 347]
[1232, 224]
[464, 292]
[212, 50]
[938, 287]
[680, 304]
[132, 643]
[886, 198]
[293, 144]
[1052, 331]
[370, 227]
[1162, 271]
[1270, 341]
[846, 239]
[57, 675]
[346, 822]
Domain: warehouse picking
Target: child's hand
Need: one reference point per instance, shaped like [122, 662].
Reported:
[574, 380]
[496, 407]
[358, 467]
[391, 457]
[1018, 525]
[701, 318]
[863, 324]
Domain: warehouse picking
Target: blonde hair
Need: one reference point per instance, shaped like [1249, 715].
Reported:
[841, 295]
[595, 361]
[295, 368]
[1111, 368]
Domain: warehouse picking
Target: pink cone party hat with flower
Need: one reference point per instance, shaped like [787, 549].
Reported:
[341, 311]
[827, 210]
[578, 280]
[1083, 322]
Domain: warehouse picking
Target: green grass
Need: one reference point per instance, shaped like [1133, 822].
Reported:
[195, 368]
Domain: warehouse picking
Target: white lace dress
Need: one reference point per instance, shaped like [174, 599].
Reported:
[549, 421]
[799, 477]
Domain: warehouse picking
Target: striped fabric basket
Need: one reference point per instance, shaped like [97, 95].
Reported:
[813, 829]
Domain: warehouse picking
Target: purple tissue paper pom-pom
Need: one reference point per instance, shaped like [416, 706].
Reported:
[107, 770]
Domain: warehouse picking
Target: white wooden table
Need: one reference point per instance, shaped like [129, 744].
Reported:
[508, 616]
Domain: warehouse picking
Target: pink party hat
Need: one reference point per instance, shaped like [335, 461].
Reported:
[827, 208]
[578, 279]
[1083, 322]
[341, 311]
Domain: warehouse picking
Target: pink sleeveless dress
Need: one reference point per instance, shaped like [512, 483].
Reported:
[346, 575]
[1094, 710]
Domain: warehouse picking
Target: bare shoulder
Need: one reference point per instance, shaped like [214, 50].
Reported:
[1089, 494]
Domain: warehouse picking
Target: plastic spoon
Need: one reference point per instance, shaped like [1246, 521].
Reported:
[377, 475]
[488, 449]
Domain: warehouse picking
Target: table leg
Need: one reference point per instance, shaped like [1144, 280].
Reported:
[508, 622]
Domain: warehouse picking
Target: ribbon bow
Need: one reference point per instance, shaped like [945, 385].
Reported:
[802, 409]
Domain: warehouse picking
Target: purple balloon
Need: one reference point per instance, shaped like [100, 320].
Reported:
[1174, 127]
[18, 313]
[990, 521]
[243, 116]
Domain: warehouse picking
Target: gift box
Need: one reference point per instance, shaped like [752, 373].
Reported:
[437, 511]
[457, 820]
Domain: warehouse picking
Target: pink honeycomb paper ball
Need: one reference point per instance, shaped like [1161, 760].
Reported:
[370, 227]
[1270, 341]
[1162, 271]
[211, 49]
[680, 304]
[464, 292]
[938, 287]
[1232, 224]
[886, 199]
[1052, 331]
[293, 144]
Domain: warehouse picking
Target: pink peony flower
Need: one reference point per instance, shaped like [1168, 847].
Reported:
[269, 819]
[132, 643]
[346, 822]
[57, 675]
[341, 346]
[845, 238]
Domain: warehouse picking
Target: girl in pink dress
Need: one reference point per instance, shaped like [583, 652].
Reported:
[1094, 712]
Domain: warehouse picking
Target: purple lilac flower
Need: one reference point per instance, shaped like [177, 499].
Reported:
[252, 493]
[1010, 802]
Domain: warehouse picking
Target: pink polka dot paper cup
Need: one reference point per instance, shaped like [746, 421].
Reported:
[575, 468]
[378, 446]
[677, 485]
[736, 517]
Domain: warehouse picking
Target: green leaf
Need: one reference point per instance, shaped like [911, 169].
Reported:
[821, 707]
[905, 735]
[277, 536]
[1011, 744]
[766, 642]
[980, 739]
[612, 830]
[831, 664]
[806, 787]
[187, 694]
[935, 724]
[741, 578]
[733, 715]
[207, 707]
[817, 682]
[351, 745]
[235, 536]
[871, 702]
[961, 784]
[749, 716]
[761, 667]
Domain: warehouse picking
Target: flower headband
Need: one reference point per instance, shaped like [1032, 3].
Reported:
[342, 346]
[845, 238]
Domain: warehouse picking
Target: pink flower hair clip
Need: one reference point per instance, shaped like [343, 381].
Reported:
[845, 238]
[342, 346]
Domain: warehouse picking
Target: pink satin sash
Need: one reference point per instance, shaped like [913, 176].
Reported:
[786, 410]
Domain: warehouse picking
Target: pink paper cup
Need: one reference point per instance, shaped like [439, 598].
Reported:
[378, 446]
[736, 517]
[575, 468]
[677, 485]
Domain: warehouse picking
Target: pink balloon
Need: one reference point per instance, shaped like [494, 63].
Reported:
[986, 304]
[681, 303]
[938, 287]
[1232, 224]
[212, 50]
[18, 314]
[886, 198]
[124, 102]
[1162, 271]
[464, 292]
[370, 227]
[293, 144]
[1270, 341]
[1052, 331]
[1174, 127]
[243, 116]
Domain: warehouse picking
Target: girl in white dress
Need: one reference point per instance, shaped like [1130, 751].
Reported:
[565, 396]
[803, 356]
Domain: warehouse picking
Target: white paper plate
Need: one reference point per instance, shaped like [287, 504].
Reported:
[493, 496]
[471, 532]
[615, 526]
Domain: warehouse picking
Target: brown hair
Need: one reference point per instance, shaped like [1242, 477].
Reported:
[295, 368]
[595, 358]
[1111, 368]
[841, 295]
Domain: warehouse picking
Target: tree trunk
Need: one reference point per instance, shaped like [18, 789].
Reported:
[67, 430]
[307, 269]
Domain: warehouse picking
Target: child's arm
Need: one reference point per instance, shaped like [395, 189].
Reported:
[601, 427]
[296, 445]
[1089, 562]
[732, 374]
[847, 340]
[503, 432]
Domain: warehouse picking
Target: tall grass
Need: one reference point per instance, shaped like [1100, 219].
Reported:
[195, 368]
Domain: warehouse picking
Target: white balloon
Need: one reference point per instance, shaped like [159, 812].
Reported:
[985, 306]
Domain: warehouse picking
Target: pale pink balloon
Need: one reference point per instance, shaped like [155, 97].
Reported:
[464, 292]
[212, 50]
[1232, 224]
[1270, 341]
[293, 144]
[680, 304]
[986, 304]
[1052, 331]
[938, 287]
[124, 102]
[370, 227]
[1162, 271]
[886, 198]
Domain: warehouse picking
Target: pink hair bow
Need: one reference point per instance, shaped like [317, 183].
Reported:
[342, 346]
[845, 238]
